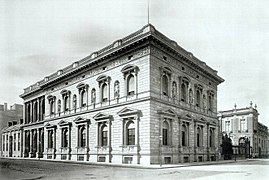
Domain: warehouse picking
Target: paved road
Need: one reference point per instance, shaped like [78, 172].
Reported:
[27, 169]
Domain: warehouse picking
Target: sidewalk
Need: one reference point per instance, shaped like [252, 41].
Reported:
[138, 166]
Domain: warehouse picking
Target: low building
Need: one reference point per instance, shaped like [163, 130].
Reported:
[242, 126]
[9, 117]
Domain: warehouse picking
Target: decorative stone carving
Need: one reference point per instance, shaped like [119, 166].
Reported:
[117, 89]
[174, 90]
[190, 96]
[93, 96]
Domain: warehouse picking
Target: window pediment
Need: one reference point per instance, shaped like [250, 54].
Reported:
[128, 112]
[103, 78]
[82, 85]
[101, 116]
[64, 123]
[50, 97]
[49, 126]
[81, 120]
[129, 68]
[168, 112]
[63, 92]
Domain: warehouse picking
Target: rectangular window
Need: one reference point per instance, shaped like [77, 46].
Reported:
[165, 137]
[131, 136]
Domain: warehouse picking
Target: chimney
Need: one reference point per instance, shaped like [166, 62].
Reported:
[5, 106]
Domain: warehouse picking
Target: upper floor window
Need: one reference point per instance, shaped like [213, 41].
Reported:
[51, 100]
[130, 77]
[83, 91]
[104, 83]
[210, 100]
[243, 125]
[165, 80]
[66, 100]
[104, 92]
[199, 90]
[184, 88]
[165, 85]
[130, 85]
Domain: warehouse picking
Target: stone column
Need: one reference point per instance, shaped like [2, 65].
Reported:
[38, 109]
[37, 144]
[31, 143]
[207, 127]
[54, 141]
[195, 140]
[24, 143]
[31, 112]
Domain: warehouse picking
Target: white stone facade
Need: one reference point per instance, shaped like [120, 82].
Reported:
[241, 124]
[141, 100]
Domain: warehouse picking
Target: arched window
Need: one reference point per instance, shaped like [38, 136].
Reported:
[83, 90]
[83, 99]
[131, 85]
[66, 103]
[82, 136]
[199, 137]
[184, 135]
[52, 106]
[165, 133]
[198, 98]
[104, 93]
[130, 77]
[183, 92]
[64, 137]
[104, 135]
[165, 85]
[50, 139]
[131, 133]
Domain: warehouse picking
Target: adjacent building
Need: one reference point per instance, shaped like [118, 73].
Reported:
[9, 117]
[241, 125]
[142, 99]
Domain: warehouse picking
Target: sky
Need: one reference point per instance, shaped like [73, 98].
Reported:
[37, 38]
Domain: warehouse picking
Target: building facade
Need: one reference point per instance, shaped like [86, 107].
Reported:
[242, 125]
[9, 117]
[142, 100]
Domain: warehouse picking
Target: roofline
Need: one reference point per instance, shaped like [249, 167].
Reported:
[146, 31]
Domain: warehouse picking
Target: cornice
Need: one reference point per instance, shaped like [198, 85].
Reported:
[119, 46]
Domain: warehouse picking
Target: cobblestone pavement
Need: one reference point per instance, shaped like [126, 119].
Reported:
[28, 169]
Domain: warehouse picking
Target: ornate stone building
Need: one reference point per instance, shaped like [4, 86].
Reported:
[241, 125]
[143, 100]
